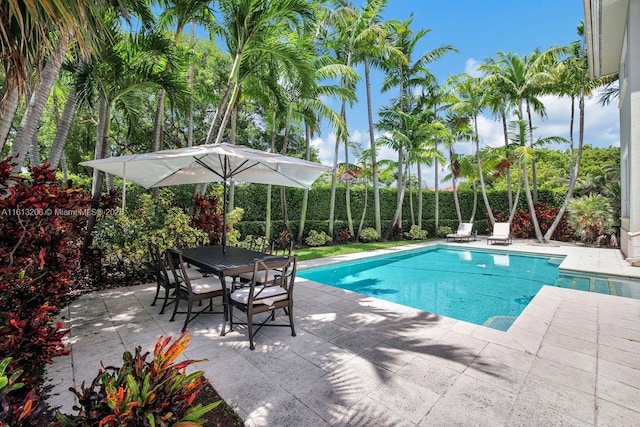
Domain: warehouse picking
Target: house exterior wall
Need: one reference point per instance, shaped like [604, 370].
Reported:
[630, 136]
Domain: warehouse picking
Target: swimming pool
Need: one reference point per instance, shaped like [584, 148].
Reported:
[488, 288]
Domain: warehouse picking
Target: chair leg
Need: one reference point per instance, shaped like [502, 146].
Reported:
[186, 321]
[175, 309]
[293, 331]
[156, 297]
[250, 329]
[165, 303]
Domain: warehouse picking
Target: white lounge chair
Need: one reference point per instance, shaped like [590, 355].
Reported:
[501, 233]
[464, 232]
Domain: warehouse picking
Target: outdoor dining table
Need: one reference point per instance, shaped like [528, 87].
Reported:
[230, 263]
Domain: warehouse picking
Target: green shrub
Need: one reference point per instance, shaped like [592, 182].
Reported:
[416, 233]
[443, 230]
[317, 239]
[141, 392]
[369, 234]
[591, 217]
[124, 239]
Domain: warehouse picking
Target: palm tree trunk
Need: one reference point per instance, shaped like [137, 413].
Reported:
[219, 113]
[475, 202]
[234, 80]
[29, 124]
[534, 176]
[347, 191]
[305, 195]
[64, 168]
[374, 164]
[64, 125]
[506, 151]
[267, 226]
[232, 140]
[454, 182]
[7, 113]
[436, 187]
[512, 213]
[34, 151]
[190, 78]
[364, 214]
[419, 196]
[190, 120]
[156, 142]
[456, 201]
[96, 184]
[283, 192]
[532, 210]
[410, 186]
[480, 174]
[334, 179]
[397, 217]
[575, 169]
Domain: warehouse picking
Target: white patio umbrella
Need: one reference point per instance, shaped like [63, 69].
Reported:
[211, 163]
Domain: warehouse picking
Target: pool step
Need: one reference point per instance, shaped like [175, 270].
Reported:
[501, 323]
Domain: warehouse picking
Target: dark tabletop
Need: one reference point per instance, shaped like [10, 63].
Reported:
[211, 259]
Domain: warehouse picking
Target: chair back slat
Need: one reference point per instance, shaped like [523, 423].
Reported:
[270, 272]
[176, 265]
[159, 265]
[281, 247]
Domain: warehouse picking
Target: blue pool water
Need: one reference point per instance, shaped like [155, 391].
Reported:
[483, 287]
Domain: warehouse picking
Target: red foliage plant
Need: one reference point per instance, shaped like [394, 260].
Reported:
[522, 225]
[40, 236]
[344, 236]
[206, 217]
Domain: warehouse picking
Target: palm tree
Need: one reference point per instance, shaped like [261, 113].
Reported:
[521, 81]
[29, 123]
[524, 154]
[177, 13]
[497, 100]
[573, 81]
[405, 76]
[470, 102]
[124, 69]
[252, 30]
[370, 47]
[25, 36]
[347, 23]
[458, 129]
[414, 140]
[93, 25]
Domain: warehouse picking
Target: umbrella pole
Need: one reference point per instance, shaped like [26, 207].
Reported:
[224, 218]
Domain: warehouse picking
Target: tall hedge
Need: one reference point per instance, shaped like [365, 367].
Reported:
[252, 198]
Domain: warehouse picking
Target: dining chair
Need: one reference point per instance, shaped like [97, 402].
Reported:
[164, 276]
[192, 291]
[266, 293]
[282, 247]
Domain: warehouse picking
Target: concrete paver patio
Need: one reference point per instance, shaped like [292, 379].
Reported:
[571, 358]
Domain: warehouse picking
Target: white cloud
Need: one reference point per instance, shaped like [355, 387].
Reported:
[602, 124]
[325, 148]
[471, 67]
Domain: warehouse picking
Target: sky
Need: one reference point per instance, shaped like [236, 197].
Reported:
[478, 30]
